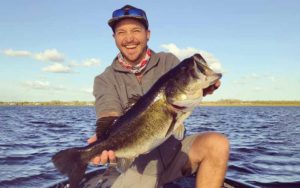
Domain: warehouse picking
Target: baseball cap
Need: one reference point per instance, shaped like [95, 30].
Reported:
[128, 11]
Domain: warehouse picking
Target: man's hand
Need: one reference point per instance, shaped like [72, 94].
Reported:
[104, 157]
[211, 88]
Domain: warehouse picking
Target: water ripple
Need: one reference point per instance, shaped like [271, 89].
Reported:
[265, 141]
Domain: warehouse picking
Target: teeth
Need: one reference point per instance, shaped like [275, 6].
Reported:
[130, 46]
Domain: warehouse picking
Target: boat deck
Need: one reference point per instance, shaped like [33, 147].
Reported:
[101, 178]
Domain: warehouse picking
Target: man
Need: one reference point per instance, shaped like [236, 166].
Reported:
[132, 73]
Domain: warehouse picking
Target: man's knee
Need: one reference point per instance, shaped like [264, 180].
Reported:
[220, 145]
[211, 144]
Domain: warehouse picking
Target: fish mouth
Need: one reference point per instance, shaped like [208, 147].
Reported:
[189, 92]
[178, 107]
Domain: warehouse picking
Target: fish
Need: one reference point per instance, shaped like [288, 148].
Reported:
[154, 117]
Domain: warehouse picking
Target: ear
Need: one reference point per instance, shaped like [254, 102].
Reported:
[148, 35]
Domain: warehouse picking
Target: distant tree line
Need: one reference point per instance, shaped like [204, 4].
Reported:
[49, 103]
[224, 102]
[236, 102]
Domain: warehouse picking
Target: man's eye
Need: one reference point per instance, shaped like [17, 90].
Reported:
[120, 33]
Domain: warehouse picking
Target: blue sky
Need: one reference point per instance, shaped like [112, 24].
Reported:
[52, 50]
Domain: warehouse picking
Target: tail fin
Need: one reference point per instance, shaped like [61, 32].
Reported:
[69, 162]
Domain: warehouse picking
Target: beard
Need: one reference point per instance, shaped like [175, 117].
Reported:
[134, 58]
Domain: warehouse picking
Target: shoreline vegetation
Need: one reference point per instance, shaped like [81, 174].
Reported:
[227, 102]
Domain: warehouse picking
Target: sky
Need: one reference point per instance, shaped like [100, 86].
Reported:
[52, 49]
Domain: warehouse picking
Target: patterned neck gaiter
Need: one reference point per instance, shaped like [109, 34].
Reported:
[138, 68]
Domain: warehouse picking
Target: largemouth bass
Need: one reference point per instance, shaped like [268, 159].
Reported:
[150, 121]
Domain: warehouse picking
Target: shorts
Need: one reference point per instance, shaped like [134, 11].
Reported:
[162, 165]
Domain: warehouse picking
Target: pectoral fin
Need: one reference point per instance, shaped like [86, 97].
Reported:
[179, 132]
[172, 125]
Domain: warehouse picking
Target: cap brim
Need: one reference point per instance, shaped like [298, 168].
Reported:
[112, 22]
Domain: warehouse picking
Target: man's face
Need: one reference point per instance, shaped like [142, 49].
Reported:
[131, 38]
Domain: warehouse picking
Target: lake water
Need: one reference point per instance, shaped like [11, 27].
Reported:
[265, 142]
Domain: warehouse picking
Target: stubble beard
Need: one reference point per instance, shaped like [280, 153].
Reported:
[137, 59]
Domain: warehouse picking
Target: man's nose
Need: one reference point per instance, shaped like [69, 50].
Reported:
[129, 37]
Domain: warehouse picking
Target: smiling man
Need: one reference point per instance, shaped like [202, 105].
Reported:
[134, 70]
[131, 38]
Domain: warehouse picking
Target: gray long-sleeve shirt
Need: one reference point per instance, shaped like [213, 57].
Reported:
[116, 84]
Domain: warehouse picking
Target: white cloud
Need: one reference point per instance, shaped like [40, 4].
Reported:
[53, 55]
[47, 55]
[87, 90]
[73, 63]
[43, 85]
[212, 61]
[180, 53]
[16, 53]
[91, 62]
[37, 84]
[57, 68]
[50, 55]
